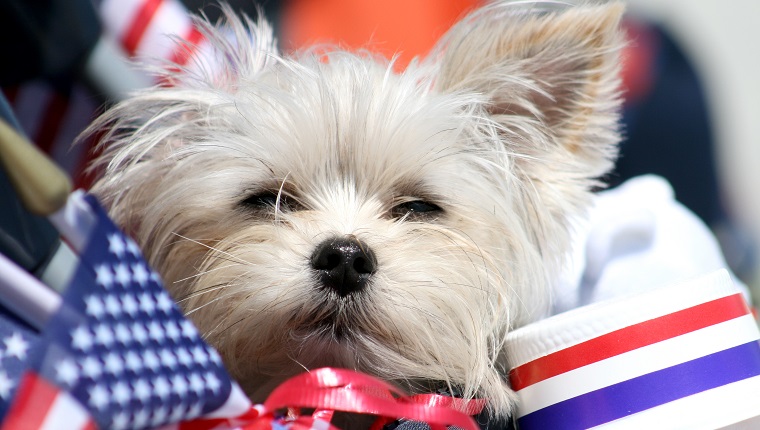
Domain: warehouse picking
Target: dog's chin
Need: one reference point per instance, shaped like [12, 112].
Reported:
[326, 343]
[329, 340]
[332, 325]
[330, 347]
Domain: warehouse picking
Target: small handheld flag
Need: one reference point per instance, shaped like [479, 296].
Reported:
[118, 346]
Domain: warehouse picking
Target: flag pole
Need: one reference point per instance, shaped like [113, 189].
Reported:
[25, 296]
[42, 187]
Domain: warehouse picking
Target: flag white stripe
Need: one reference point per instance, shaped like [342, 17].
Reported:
[203, 59]
[579, 325]
[717, 408]
[237, 404]
[171, 19]
[65, 412]
[117, 15]
[642, 361]
[75, 221]
[25, 296]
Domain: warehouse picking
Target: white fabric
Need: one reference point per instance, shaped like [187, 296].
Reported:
[637, 238]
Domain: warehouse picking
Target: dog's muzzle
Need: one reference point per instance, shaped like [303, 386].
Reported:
[344, 264]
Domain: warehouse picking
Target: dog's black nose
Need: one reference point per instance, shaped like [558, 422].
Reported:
[344, 264]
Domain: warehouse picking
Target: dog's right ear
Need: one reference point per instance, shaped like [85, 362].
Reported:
[549, 78]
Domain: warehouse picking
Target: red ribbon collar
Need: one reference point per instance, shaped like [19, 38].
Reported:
[329, 390]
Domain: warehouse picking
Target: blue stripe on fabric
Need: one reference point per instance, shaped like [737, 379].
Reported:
[647, 391]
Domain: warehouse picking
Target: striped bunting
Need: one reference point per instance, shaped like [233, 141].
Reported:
[143, 27]
[668, 361]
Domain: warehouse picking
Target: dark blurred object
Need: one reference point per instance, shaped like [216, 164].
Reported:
[25, 238]
[668, 131]
[48, 39]
[211, 9]
[667, 126]
[272, 9]
[29, 240]
[54, 41]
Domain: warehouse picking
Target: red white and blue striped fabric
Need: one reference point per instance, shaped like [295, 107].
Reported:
[150, 29]
[42, 405]
[686, 356]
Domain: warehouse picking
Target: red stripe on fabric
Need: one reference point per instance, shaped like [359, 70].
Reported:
[141, 21]
[90, 425]
[11, 93]
[32, 402]
[86, 171]
[627, 339]
[185, 50]
[51, 121]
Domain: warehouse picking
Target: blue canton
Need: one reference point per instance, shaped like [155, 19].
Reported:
[16, 342]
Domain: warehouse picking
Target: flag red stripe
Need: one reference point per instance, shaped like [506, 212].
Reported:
[141, 21]
[51, 121]
[185, 50]
[628, 339]
[90, 426]
[34, 398]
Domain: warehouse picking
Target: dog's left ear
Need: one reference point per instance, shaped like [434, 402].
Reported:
[549, 78]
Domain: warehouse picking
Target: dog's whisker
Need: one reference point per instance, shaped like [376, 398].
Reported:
[229, 326]
[201, 273]
[306, 369]
[227, 259]
[203, 291]
[212, 301]
[277, 207]
[212, 248]
[213, 331]
[457, 244]
[267, 308]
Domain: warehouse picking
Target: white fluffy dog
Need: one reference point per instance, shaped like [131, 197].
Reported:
[322, 209]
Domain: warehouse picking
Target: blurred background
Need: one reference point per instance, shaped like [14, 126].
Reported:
[691, 81]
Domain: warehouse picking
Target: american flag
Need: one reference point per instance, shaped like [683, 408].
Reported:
[118, 354]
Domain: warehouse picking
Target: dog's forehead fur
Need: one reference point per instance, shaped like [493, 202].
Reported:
[352, 122]
[339, 135]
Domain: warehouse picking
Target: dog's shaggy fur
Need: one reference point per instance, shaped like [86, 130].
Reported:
[454, 178]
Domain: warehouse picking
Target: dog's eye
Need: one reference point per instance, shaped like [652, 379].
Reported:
[415, 208]
[267, 200]
[261, 201]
